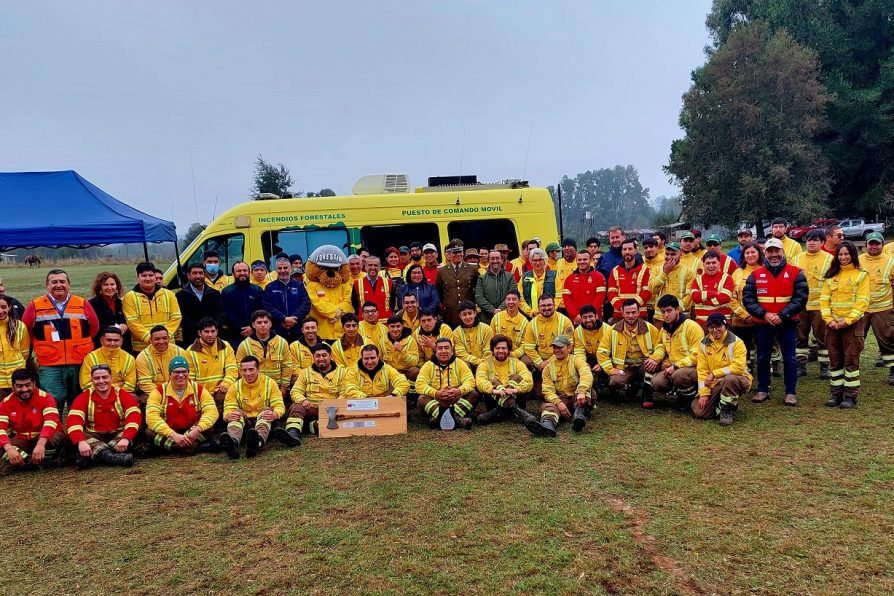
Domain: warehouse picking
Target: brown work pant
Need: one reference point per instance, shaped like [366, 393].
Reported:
[100, 442]
[298, 414]
[726, 390]
[684, 380]
[550, 410]
[629, 379]
[882, 324]
[411, 374]
[506, 401]
[169, 445]
[26, 446]
[463, 406]
[237, 427]
[845, 346]
[811, 321]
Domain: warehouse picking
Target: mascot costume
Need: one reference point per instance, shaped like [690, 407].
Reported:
[328, 281]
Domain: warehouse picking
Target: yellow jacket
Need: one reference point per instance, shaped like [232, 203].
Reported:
[152, 367]
[373, 334]
[681, 346]
[350, 355]
[881, 280]
[472, 345]
[613, 347]
[143, 313]
[302, 357]
[845, 297]
[312, 385]
[261, 284]
[690, 260]
[586, 342]
[434, 377]
[411, 324]
[403, 359]
[13, 355]
[383, 382]
[676, 283]
[791, 247]
[253, 398]
[655, 266]
[491, 370]
[325, 303]
[563, 270]
[511, 327]
[889, 249]
[220, 283]
[814, 266]
[424, 352]
[540, 333]
[157, 407]
[123, 365]
[727, 356]
[276, 358]
[740, 276]
[215, 364]
[564, 378]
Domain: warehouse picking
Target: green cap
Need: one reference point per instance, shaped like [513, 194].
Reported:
[875, 237]
[552, 246]
[561, 341]
[177, 362]
[672, 246]
[713, 238]
[687, 236]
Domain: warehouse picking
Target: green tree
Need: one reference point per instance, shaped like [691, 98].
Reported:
[668, 211]
[326, 192]
[190, 235]
[750, 120]
[271, 179]
[854, 43]
[613, 196]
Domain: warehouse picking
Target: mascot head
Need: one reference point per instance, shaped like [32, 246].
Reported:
[328, 266]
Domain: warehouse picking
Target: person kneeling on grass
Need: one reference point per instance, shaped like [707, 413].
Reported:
[181, 413]
[504, 383]
[722, 372]
[681, 337]
[103, 422]
[567, 381]
[446, 389]
[30, 432]
[252, 405]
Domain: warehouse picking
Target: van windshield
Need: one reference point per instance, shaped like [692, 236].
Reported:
[301, 242]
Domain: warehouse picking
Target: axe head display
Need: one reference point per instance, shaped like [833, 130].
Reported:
[332, 412]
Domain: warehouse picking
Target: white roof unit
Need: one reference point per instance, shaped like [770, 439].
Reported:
[376, 184]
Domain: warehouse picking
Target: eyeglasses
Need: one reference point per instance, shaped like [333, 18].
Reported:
[97, 367]
[179, 371]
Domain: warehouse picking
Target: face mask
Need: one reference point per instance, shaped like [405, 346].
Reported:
[212, 268]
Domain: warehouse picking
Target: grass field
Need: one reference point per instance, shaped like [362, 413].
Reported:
[787, 500]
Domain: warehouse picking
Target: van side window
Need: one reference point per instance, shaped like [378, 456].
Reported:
[485, 233]
[231, 248]
[378, 238]
[302, 242]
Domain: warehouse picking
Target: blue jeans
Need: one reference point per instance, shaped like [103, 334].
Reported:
[787, 336]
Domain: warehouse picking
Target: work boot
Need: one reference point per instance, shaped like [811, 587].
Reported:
[879, 363]
[579, 420]
[111, 458]
[774, 369]
[545, 427]
[848, 403]
[824, 371]
[802, 369]
[210, 446]
[288, 437]
[834, 401]
[253, 442]
[726, 415]
[82, 462]
[891, 377]
[462, 422]
[229, 445]
[760, 397]
[790, 400]
[144, 450]
[648, 402]
[522, 415]
[684, 402]
[492, 415]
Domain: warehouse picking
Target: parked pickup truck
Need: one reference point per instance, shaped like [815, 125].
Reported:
[797, 232]
[858, 228]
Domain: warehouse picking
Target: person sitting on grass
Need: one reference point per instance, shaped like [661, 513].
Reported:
[567, 381]
[324, 379]
[31, 434]
[446, 389]
[252, 405]
[722, 369]
[371, 377]
[504, 383]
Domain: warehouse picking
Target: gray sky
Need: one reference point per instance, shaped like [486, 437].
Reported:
[123, 92]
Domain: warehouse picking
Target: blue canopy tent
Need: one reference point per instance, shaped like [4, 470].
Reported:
[54, 209]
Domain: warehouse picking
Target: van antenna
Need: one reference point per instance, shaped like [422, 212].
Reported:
[192, 171]
[527, 151]
[214, 212]
[462, 156]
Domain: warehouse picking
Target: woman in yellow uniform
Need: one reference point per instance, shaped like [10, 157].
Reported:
[843, 302]
[15, 345]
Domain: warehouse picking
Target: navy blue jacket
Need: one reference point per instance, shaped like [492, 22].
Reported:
[239, 301]
[283, 300]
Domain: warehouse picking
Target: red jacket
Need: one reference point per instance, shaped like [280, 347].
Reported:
[32, 419]
[727, 265]
[712, 293]
[91, 413]
[430, 275]
[382, 295]
[629, 283]
[584, 288]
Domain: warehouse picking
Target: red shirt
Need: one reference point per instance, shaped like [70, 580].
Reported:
[630, 283]
[430, 274]
[584, 288]
[712, 293]
[92, 413]
[31, 419]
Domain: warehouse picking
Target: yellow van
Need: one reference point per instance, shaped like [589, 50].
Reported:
[381, 212]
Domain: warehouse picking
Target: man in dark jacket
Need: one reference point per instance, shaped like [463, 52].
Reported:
[240, 299]
[492, 287]
[287, 302]
[197, 300]
[774, 295]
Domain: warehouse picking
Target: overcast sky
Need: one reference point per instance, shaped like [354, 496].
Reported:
[126, 92]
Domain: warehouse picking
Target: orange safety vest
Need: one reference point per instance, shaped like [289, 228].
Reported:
[381, 295]
[61, 339]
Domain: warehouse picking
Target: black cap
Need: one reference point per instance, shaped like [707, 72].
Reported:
[716, 319]
[569, 242]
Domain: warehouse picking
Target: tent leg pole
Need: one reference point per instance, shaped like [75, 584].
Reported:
[146, 250]
[177, 257]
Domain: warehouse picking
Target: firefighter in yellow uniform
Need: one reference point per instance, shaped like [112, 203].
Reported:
[567, 382]
[630, 353]
[123, 366]
[215, 361]
[587, 337]
[880, 313]
[471, 337]
[147, 305]
[511, 322]
[446, 389]
[539, 334]
[181, 413]
[271, 350]
[722, 368]
[673, 277]
[371, 377]
[504, 382]
[324, 379]
[253, 404]
[431, 327]
[680, 336]
[152, 363]
[815, 263]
